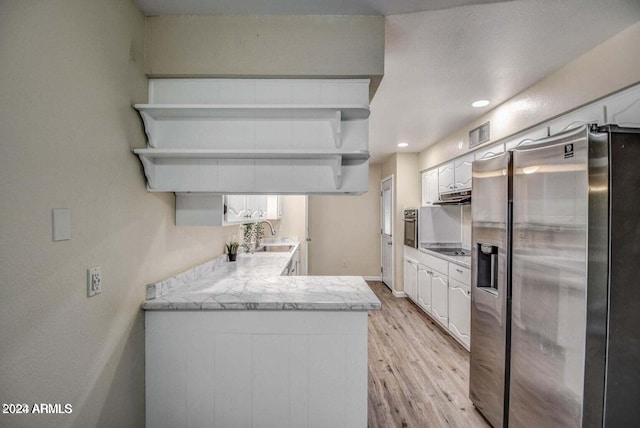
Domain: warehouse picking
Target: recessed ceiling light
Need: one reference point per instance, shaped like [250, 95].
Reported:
[480, 103]
[403, 144]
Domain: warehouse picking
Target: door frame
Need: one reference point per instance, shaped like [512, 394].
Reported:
[307, 238]
[382, 181]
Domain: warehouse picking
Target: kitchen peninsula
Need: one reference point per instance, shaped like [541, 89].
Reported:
[238, 344]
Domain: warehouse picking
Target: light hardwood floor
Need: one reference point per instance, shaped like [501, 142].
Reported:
[418, 375]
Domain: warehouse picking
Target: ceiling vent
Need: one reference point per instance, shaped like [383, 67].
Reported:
[479, 135]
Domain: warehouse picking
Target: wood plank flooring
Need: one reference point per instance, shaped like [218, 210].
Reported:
[418, 374]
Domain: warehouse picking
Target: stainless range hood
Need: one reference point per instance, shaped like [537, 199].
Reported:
[454, 198]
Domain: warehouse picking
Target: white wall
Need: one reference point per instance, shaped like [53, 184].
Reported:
[70, 71]
[345, 232]
[273, 46]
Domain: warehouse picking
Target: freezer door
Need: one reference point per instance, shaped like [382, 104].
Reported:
[549, 277]
[489, 292]
[623, 348]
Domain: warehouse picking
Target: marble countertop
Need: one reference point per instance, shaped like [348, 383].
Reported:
[254, 282]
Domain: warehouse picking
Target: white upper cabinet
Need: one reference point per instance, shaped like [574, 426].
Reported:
[430, 187]
[256, 135]
[445, 178]
[455, 176]
[248, 208]
[592, 113]
[623, 109]
[462, 172]
[236, 209]
[527, 138]
[257, 206]
[274, 207]
[204, 209]
[488, 152]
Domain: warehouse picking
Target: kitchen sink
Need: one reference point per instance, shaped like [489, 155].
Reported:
[275, 249]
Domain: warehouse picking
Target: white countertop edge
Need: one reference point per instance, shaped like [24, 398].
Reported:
[163, 305]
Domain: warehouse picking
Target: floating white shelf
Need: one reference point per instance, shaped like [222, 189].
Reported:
[307, 175]
[298, 138]
[334, 114]
[251, 111]
[152, 153]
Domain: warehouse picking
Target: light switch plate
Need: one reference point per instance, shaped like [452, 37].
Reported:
[61, 224]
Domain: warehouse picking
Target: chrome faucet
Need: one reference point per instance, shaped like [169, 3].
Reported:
[273, 231]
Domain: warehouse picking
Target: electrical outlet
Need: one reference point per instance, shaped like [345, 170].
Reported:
[94, 281]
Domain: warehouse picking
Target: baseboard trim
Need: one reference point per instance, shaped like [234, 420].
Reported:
[399, 293]
[372, 278]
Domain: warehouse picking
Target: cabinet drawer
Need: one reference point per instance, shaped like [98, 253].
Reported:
[459, 273]
[434, 263]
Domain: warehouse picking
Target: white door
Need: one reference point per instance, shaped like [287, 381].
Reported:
[386, 230]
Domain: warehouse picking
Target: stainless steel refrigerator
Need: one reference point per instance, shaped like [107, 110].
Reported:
[555, 296]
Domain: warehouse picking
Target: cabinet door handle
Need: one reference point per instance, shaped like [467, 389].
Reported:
[459, 270]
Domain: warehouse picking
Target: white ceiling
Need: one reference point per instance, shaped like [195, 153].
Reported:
[441, 57]
[437, 63]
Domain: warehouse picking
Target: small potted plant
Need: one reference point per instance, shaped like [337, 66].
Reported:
[231, 248]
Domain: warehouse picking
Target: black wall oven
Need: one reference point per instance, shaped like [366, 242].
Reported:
[411, 227]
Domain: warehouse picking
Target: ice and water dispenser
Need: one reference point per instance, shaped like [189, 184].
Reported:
[487, 267]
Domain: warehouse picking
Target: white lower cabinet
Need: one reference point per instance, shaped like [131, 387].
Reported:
[424, 288]
[442, 290]
[411, 279]
[440, 298]
[459, 311]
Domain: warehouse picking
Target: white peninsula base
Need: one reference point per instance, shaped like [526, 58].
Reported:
[262, 368]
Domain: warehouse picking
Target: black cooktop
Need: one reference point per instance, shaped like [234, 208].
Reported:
[449, 251]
